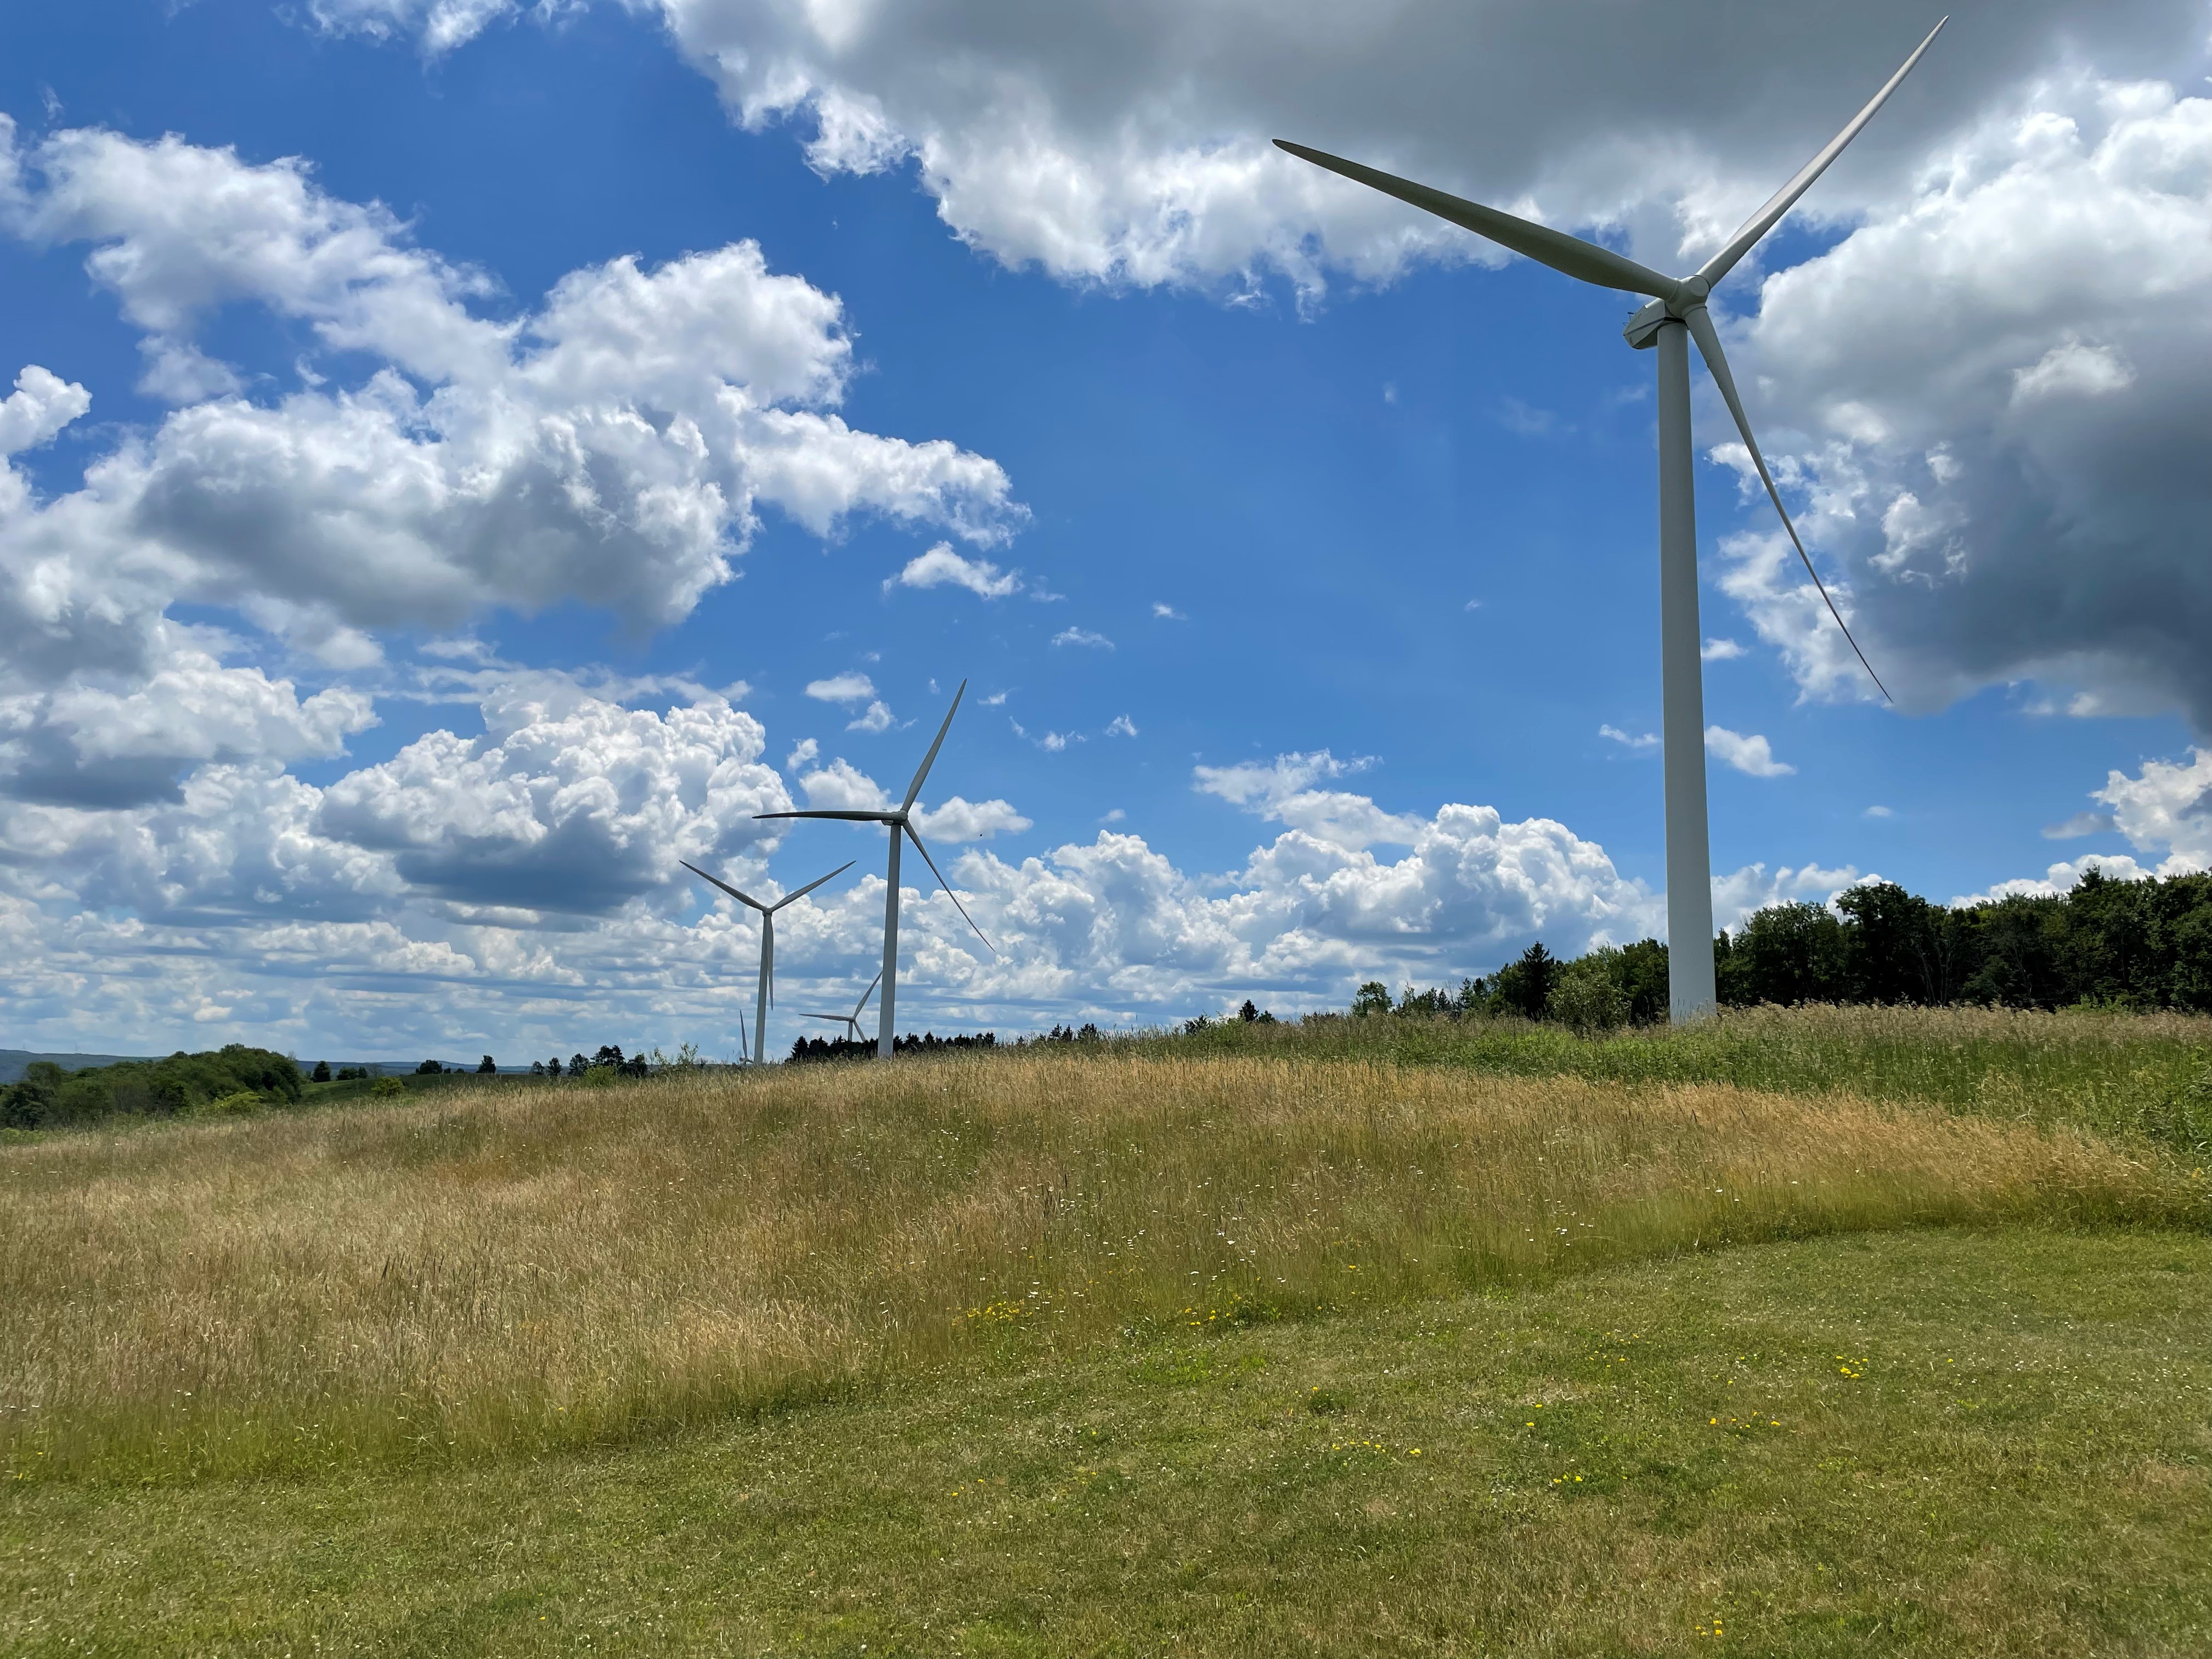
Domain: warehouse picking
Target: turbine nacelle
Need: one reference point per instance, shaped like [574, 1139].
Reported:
[1643, 330]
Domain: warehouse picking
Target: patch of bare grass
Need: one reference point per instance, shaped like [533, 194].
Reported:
[513, 1270]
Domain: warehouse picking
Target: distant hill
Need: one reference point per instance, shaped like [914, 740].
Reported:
[13, 1061]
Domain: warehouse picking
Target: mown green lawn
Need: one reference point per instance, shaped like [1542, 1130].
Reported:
[1932, 1443]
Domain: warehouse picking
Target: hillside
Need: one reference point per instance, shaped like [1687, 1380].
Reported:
[1089, 1349]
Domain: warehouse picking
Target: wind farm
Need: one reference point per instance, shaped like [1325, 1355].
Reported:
[898, 822]
[764, 995]
[852, 1022]
[1408, 1170]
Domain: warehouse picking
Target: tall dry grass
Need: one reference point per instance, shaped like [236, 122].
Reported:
[2144, 1076]
[511, 1269]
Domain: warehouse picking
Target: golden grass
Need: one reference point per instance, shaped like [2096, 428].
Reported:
[512, 1269]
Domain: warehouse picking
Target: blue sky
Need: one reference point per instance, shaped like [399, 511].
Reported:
[1362, 500]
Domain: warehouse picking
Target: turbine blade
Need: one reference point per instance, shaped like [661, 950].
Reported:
[864, 995]
[847, 818]
[1781, 201]
[803, 891]
[947, 886]
[1709, 347]
[930, 759]
[1568, 254]
[726, 887]
[745, 1045]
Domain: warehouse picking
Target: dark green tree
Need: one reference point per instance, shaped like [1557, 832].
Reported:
[1788, 953]
[1525, 985]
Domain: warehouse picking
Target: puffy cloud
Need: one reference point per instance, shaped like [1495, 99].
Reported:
[1736, 895]
[1083, 636]
[2169, 806]
[1637, 742]
[2058, 879]
[521, 886]
[41, 404]
[940, 566]
[960, 820]
[1283, 791]
[1121, 727]
[841, 786]
[569, 811]
[1994, 384]
[1130, 145]
[1750, 754]
[91, 744]
[876, 717]
[613, 444]
[1721, 651]
[842, 687]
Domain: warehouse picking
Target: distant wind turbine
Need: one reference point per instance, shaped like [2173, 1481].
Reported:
[852, 1022]
[766, 994]
[901, 821]
[1676, 314]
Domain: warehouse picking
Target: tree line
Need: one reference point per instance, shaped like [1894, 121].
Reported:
[232, 1078]
[2123, 944]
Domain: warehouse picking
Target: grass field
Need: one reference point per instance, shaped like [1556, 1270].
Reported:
[2121, 1074]
[1939, 1443]
[1251, 1342]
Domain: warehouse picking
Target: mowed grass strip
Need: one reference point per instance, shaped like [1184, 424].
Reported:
[1923, 1443]
[516, 1271]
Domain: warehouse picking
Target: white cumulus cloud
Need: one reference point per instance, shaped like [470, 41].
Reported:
[940, 566]
[842, 687]
[1750, 754]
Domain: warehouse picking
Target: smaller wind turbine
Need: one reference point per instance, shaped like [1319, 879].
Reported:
[766, 994]
[900, 820]
[852, 1022]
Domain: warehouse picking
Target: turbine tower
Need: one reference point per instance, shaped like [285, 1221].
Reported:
[1676, 315]
[900, 823]
[766, 994]
[852, 1022]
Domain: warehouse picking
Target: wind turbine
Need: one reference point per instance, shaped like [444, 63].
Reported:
[900, 823]
[766, 994]
[1676, 315]
[852, 1022]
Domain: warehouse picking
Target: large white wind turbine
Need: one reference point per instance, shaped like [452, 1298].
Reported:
[1676, 314]
[766, 994]
[900, 824]
[852, 1022]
